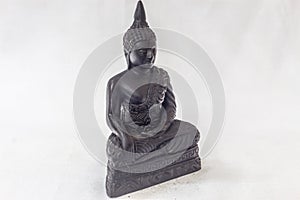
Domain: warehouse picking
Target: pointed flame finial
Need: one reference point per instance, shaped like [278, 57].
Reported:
[139, 16]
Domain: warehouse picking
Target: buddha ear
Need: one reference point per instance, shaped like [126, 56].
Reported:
[127, 56]
[155, 52]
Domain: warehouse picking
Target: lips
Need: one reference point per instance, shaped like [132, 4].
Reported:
[149, 60]
[161, 97]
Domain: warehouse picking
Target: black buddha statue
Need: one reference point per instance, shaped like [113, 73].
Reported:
[148, 145]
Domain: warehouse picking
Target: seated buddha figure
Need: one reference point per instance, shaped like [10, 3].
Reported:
[141, 110]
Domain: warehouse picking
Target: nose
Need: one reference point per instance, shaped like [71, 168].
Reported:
[149, 53]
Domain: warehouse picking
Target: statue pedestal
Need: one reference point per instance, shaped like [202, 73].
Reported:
[116, 187]
[145, 170]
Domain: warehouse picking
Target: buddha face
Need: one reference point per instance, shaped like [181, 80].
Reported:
[143, 54]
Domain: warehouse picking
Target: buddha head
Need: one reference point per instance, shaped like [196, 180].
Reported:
[139, 41]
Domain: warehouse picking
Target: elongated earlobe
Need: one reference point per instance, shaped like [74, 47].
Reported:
[127, 57]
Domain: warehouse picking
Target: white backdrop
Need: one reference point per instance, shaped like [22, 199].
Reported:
[255, 44]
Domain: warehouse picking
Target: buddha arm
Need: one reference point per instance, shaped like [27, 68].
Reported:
[169, 105]
[109, 114]
[113, 119]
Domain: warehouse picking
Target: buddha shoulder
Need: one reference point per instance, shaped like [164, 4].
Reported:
[113, 80]
[160, 72]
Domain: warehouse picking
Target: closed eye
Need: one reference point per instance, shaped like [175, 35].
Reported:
[142, 52]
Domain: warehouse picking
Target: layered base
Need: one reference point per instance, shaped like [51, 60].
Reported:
[120, 183]
[166, 156]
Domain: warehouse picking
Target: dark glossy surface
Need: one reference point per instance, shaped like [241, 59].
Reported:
[141, 110]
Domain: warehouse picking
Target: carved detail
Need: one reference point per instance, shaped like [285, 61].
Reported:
[133, 182]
